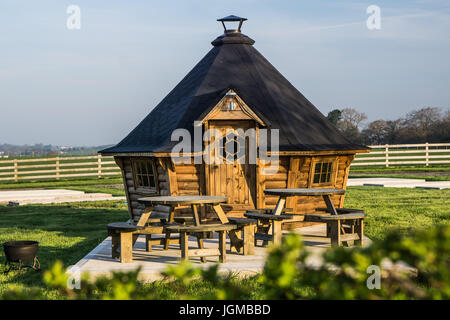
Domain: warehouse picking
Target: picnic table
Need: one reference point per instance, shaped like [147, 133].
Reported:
[198, 228]
[304, 192]
[270, 224]
[174, 201]
[343, 225]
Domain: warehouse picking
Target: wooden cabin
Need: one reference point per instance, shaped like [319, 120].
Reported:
[234, 87]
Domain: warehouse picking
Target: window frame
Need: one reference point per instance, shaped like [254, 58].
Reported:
[150, 164]
[332, 181]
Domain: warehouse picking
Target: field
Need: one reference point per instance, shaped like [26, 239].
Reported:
[57, 167]
[431, 173]
[68, 232]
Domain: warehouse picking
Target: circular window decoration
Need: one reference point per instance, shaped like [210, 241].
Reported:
[231, 148]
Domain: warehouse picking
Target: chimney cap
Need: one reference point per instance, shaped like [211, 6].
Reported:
[232, 18]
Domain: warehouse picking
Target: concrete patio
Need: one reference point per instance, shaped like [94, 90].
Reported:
[99, 262]
[46, 196]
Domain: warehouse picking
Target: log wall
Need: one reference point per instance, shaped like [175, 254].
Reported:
[186, 179]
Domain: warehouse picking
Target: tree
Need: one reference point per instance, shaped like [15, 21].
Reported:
[376, 132]
[419, 124]
[441, 131]
[350, 122]
[351, 118]
[334, 116]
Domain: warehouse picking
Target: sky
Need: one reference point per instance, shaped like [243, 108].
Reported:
[93, 85]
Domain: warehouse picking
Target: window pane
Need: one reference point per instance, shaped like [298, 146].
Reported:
[144, 168]
[145, 181]
[317, 168]
[152, 181]
[322, 172]
[144, 175]
[316, 178]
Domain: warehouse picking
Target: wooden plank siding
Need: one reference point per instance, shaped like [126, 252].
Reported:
[132, 194]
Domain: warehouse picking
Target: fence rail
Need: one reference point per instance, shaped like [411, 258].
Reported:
[91, 166]
[404, 154]
[57, 167]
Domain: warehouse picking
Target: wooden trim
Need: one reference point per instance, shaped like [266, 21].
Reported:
[347, 170]
[173, 183]
[246, 110]
[201, 176]
[207, 169]
[260, 186]
[280, 153]
[292, 180]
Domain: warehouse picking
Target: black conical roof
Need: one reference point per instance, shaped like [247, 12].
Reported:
[233, 63]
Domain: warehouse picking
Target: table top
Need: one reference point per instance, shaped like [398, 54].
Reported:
[303, 192]
[180, 200]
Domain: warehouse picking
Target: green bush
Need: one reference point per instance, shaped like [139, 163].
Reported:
[286, 275]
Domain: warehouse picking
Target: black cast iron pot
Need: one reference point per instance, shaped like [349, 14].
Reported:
[20, 251]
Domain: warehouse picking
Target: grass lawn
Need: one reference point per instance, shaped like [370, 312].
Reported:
[68, 232]
[381, 169]
[65, 232]
[402, 209]
[401, 176]
[431, 173]
[58, 184]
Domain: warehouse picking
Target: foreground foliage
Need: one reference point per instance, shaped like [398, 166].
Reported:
[345, 274]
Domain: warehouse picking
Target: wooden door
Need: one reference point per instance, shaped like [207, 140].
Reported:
[237, 181]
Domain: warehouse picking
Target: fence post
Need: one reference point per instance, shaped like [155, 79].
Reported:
[16, 170]
[387, 155]
[427, 161]
[99, 166]
[57, 168]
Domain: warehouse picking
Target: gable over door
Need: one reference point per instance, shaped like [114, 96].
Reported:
[237, 181]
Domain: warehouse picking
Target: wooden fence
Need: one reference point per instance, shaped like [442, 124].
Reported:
[91, 166]
[405, 154]
[57, 167]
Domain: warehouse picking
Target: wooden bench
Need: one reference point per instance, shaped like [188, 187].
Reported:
[244, 236]
[341, 210]
[221, 229]
[124, 235]
[353, 230]
[338, 211]
[156, 227]
[123, 238]
[270, 211]
[269, 226]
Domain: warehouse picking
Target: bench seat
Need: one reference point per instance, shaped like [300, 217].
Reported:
[244, 236]
[344, 227]
[269, 226]
[184, 230]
